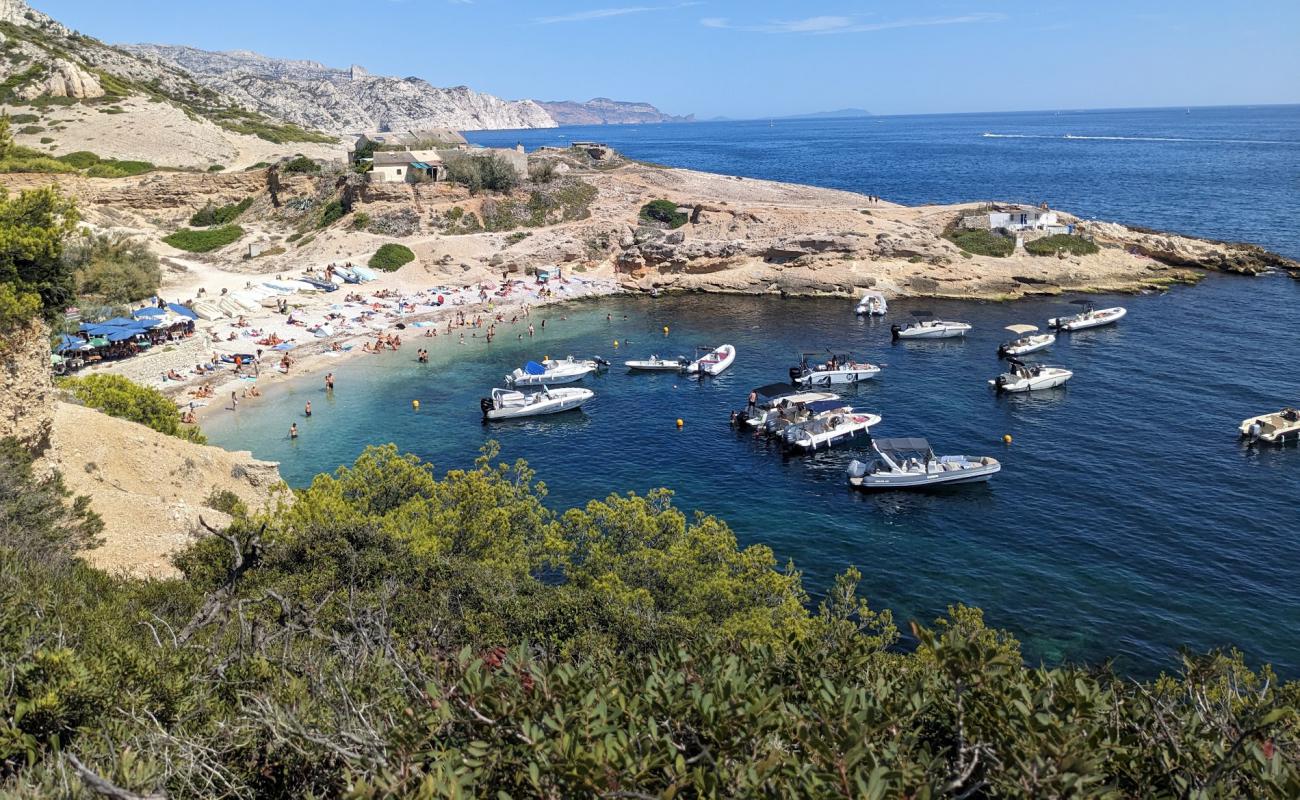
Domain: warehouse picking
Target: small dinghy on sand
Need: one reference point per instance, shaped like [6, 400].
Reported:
[714, 363]
[1022, 377]
[928, 328]
[911, 464]
[1029, 341]
[1279, 428]
[508, 404]
[657, 364]
[1088, 318]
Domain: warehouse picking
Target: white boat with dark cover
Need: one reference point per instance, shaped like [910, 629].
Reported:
[509, 404]
[1088, 318]
[769, 399]
[715, 362]
[1279, 428]
[873, 304]
[838, 370]
[656, 364]
[1022, 377]
[828, 428]
[1029, 341]
[551, 372]
[929, 328]
[911, 464]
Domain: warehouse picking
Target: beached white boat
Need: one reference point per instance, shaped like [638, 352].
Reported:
[873, 304]
[206, 309]
[911, 464]
[1279, 428]
[1028, 341]
[510, 404]
[1022, 377]
[1088, 318]
[364, 274]
[768, 400]
[248, 301]
[827, 429]
[930, 329]
[280, 287]
[714, 363]
[838, 370]
[551, 372]
[231, 306]
[656, 364]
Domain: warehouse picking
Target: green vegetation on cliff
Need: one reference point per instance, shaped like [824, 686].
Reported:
[117, 396]
[662, 214]
[396, 633]
[1061, 243]
[206, 240]
[391, 257]
[980, 242]
[33, 227]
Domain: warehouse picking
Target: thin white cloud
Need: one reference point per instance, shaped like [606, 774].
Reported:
[829, 24]
[606, 13]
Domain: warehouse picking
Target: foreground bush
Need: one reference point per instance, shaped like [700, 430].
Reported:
[119, 397]
[489, 172]
[113, 269]
[662, 213]
[980, 242]
[393, 633]
[391, 257]
[1061, 242]
[204, 241]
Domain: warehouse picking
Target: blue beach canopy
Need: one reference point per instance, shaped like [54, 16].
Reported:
[152, 322]
[184, 311]
[120, 322]
[151, 311]
[121, 335]
[67, 343]
[533, 368]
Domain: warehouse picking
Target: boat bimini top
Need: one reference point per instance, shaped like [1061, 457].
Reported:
[897, 451]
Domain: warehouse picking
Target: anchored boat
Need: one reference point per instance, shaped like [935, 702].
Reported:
[508, 404]
[873, 304]
[551, 372]
[1029, 341]
[911, 464]
[827, 429]
[715, 362]
[929, 328]
[774, 397]
[1279, 428]
[1088, 318]
[656, 364]
[837, 370]
[1022, 377]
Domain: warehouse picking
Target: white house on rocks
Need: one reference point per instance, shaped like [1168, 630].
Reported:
[1016, 218]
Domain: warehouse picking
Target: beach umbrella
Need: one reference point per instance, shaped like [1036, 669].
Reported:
[184, 311]
[67, 343]
[98, 341]
[122, 335]
[150, 311]
[119, 322]
[153, 322]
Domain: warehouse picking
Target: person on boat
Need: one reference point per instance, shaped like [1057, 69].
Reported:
[752, 406]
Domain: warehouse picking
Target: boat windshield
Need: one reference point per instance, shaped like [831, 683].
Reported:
[899, 451]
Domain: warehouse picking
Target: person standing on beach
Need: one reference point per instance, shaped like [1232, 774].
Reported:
[307, 410]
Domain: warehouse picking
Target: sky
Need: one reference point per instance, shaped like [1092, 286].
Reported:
[760, 58]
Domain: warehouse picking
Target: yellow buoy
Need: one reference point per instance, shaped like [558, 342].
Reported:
[665, 330]
[680, 423]
[1007, 438]
[415, 404]
[616, 343]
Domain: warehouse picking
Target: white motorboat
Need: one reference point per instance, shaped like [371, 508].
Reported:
[773, 397]
[930, 329]
[788, 414]
[1089, 318]
[838, 370]
[509, 404]
[206, 309]
[551, 372]
[1028, 341]
[1022, 377]
[656, 364]
[911, 464]
[827, 429]
[715, 362]
[1279, 428]
[873, 304]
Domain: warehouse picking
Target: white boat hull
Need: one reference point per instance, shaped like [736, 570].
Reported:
[844, 428]
[886, 481]
[837, 377]
[1273, 428]
[1051, 378]
[932, 330]
[714, 363]
[517, 405]
[554, 378]
[1036, 344]
[1081, 322]
[654, 365]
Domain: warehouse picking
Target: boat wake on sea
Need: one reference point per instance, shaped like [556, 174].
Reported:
[1078, 137]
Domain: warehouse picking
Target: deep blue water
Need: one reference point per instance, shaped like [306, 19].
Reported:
[1128, 520]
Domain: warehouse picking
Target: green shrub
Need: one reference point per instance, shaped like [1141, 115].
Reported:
[81, 159]
[31, 130]
[46, 140]
[225, 501]
[541, 171]
[980, 242]
[662, 213]
[204, 241]
[114, 270]
[301, 165]
[360, 221]
[1050, 245]
[331, 213]
[118, 397]
[111, 168]
[216, 168]
[490, 172]
[391, 257]
[24, 119]
[222, 215]
[33, 227]
[17, 306]
[36, 517]
[293, 237]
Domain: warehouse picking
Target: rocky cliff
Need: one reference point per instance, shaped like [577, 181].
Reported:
[603, 111]
[26, 388]
[352, 100]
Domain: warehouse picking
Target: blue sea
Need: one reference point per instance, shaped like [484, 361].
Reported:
[1128, 521]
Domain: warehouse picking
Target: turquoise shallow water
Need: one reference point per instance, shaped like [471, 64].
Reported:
[1128, 519]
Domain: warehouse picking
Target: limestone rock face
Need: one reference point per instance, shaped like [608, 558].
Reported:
[26, 387]
[64, 79]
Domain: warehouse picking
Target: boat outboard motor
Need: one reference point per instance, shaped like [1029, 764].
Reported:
[1255, 430]
[894, 330]
[486, 405]
[795, 374]
[601, 362]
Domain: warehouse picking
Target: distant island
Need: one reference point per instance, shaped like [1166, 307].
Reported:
[603, 111]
